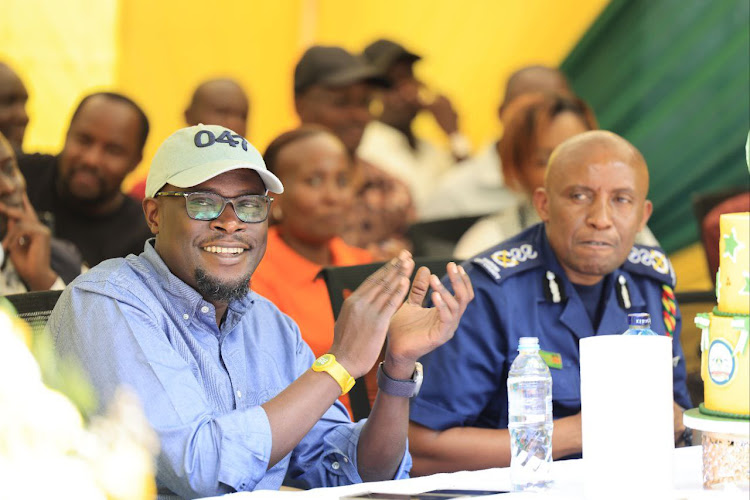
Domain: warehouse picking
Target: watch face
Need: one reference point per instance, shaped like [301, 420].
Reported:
[321, 361]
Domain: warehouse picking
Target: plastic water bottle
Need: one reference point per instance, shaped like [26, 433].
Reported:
[639, 324]
[530, 418]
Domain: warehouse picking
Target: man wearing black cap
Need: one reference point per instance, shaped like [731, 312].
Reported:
[333, 88]
[390, 143]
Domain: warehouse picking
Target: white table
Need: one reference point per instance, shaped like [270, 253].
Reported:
[568, 477]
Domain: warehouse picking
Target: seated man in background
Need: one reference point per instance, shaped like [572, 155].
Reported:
[574, 275]
[30, 259]
[13, 117]
[333, 88]
[389, 141]
[77, 193]
[476, 186]
[220, 101]
[315, 169]
[235, 395]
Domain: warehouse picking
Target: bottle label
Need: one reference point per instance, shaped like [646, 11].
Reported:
[720, 362]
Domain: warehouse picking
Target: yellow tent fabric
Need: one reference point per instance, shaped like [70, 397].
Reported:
[156, 52]
[61, 50]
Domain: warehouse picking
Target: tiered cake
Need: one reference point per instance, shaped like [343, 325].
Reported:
[725, 366]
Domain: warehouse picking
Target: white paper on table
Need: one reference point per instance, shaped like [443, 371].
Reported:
[627, 415]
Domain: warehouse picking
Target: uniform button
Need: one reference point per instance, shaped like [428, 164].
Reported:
[239, 394]
[185, 316]
[204, 309]
[335, 466]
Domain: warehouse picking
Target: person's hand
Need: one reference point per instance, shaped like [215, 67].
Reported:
[416, 330]
[27, 243]
[444, 114]
[362, 325]
[567, 436]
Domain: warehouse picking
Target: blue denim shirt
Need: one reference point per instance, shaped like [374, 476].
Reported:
[132, 322]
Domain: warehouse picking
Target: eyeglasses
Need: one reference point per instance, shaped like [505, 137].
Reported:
[209, 206]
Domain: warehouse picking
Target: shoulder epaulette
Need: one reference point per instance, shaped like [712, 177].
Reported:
[651, 262]
[508, 259]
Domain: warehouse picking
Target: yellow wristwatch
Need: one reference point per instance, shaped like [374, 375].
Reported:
[327, 363]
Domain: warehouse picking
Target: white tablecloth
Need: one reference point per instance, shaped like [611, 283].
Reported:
[568, 477]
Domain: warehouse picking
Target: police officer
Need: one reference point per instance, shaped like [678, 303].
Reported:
[574, 275]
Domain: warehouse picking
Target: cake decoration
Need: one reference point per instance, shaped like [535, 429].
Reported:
[725, 332]
[720, 362]
[732, 245]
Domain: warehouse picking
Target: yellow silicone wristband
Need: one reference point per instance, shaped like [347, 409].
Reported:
[327, 363]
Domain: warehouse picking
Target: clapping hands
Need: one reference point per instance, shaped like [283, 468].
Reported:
[377, 308]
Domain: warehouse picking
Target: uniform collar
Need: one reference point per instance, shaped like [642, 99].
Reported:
[574, 314]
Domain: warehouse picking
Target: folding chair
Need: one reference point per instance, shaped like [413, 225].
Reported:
[341, 281]
[35, 307]
[438, 238]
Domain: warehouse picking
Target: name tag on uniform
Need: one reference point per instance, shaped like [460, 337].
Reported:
[553, 359]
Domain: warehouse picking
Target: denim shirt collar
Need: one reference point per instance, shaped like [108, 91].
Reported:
[187, 298]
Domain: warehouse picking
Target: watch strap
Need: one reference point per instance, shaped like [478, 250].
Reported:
[398, 387]
[327, 363]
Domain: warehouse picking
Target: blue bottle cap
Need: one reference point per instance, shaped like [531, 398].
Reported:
[639, 320]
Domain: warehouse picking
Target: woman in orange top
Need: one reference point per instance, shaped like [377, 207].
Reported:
[314, 167]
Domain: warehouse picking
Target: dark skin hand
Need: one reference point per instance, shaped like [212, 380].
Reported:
[442, 109]
[376, 309]
[27, 244]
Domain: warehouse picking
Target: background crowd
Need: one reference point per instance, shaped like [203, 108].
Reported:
[375, 146]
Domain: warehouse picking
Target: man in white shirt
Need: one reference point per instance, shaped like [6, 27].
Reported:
[476, 186]
[390, 143]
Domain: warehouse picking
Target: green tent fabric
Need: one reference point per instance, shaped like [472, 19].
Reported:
[673, 77]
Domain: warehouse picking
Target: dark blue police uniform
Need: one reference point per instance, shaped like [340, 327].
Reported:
[522, 291]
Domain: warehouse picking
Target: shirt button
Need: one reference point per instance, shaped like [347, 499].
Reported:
[335, 466]
[204, 309]
[185, 316]
[346, 460]
[239, 394]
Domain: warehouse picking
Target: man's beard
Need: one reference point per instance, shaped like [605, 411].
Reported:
[98, 198]
[214, 290]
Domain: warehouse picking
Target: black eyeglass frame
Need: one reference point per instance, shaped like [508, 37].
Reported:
[224, 201]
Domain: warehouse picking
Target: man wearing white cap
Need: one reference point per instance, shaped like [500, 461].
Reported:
[235, 395]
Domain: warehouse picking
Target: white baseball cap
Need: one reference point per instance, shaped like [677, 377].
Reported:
[196, 154]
